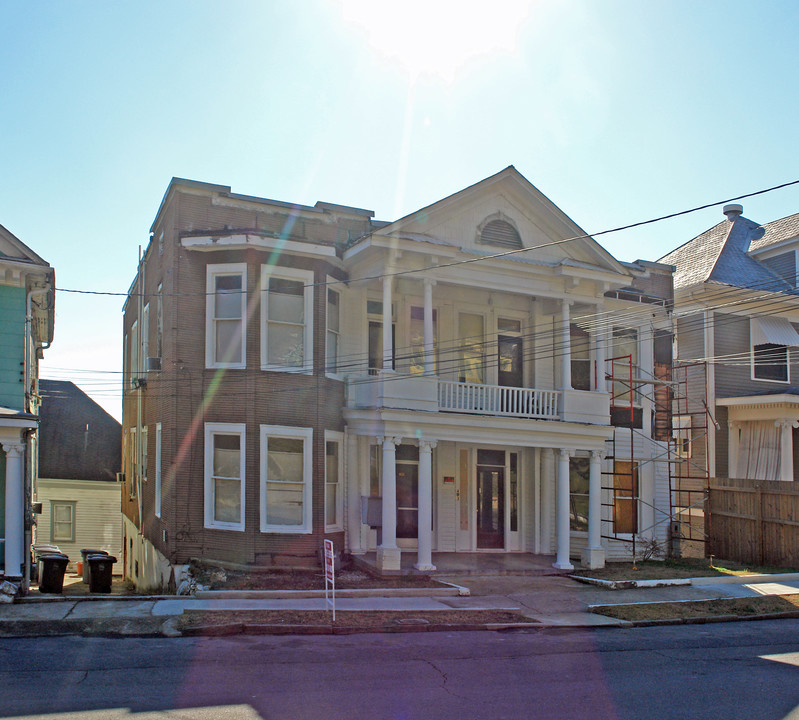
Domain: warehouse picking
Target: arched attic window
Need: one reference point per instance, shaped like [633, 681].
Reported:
[499, 232]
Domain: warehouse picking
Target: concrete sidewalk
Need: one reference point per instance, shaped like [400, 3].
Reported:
[553, 601]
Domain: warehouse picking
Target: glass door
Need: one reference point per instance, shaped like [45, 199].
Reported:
[407, 495]
[490, 499]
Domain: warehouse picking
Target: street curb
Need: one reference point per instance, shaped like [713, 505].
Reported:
[702, 620]
[452, 590]
[271, 629]
[667, 582]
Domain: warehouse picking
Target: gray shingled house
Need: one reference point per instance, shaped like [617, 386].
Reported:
[737, 314]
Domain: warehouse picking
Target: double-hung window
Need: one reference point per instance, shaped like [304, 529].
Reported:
[286, 319]
[226, 316]
[62, 521]
[333, 331]
[158, 469]
[286, 472]
[770, 362]
[334, 476]
[224, 475]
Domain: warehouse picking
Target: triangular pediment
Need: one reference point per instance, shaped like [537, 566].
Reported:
[502, 212]
[13, 248]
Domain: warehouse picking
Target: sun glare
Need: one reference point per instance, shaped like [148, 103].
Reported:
[437, 37]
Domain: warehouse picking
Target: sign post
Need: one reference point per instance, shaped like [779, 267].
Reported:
[330, 577]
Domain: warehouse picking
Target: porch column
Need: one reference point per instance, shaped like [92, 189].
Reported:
[388, 554]
[594, 555]
[733, 443]
[565, 346]
[353, 495]
[547, 497]
[564, 533]
[600, 384]
[786, 448]
[388, 349]
[424, 560]
[429, 359]
[15, 509]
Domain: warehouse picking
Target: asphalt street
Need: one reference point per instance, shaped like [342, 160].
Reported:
[730, 670]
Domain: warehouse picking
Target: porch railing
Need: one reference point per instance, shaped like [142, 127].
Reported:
[497, 400]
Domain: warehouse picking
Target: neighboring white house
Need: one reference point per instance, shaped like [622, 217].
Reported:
[499, 417]
[737, 310]
[79, 458]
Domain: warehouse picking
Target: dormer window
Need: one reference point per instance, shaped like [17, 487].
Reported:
[499, 232]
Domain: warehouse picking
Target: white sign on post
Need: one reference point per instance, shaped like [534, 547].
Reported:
[330, 577]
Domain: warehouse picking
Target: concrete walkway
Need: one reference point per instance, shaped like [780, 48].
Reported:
[553, 601]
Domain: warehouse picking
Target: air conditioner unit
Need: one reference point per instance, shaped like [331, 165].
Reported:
[153, 364]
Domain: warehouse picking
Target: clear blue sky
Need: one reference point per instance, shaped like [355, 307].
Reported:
[618, 111]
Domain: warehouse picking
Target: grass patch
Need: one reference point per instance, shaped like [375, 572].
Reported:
[680, 568]
[347, 618]
[742, 607]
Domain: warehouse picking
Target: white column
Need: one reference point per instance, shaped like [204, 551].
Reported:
[429, 359]
[424, 560]
[733, 444]
[353, 495]
[15, 510]
[388, 554]
[547, 497]
[564, 533]
[786, 449]
[387, 344]
[565, 347]
[594, 555]
[600, 384]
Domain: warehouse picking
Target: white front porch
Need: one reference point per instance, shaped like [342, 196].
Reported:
[500, 485]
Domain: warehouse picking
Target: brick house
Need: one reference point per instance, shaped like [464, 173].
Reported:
[456, 380]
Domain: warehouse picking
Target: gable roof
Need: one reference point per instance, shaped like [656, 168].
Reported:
[13, 248]
[78, 440]
[777, 231]
[557, 223]
[721, 255]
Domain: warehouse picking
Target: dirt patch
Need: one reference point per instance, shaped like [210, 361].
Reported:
[224, 579]
[742, 607]
[348, 618]
[667, 569]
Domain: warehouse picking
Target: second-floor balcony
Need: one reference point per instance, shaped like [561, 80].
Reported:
[390, 390]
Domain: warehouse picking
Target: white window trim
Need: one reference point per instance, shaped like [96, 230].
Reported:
[681, 432]
[143, 449]
[336, 375]
[212, 429]
[144, 339]
[158, 469]
[307, 278]
[134, 355]
[769, 380]
[210, 335]
[337, 437]
[283, 431]
[72, 505]
[133, 463]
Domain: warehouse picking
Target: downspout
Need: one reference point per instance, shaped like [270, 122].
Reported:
[137, 449]
[30, 473]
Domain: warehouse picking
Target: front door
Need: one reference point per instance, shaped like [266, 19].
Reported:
[407, 495]
[510, 368]
[490, 499]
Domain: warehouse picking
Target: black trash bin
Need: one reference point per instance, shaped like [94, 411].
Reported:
[84, 554]
[54, 565]
[100, 567]
[39, 550]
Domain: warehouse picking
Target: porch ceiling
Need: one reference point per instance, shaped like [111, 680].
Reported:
[488, 430]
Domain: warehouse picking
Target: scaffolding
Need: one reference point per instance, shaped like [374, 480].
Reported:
[689, 466]
[622, 503]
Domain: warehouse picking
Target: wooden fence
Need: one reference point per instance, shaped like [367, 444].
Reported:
[754, 521]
